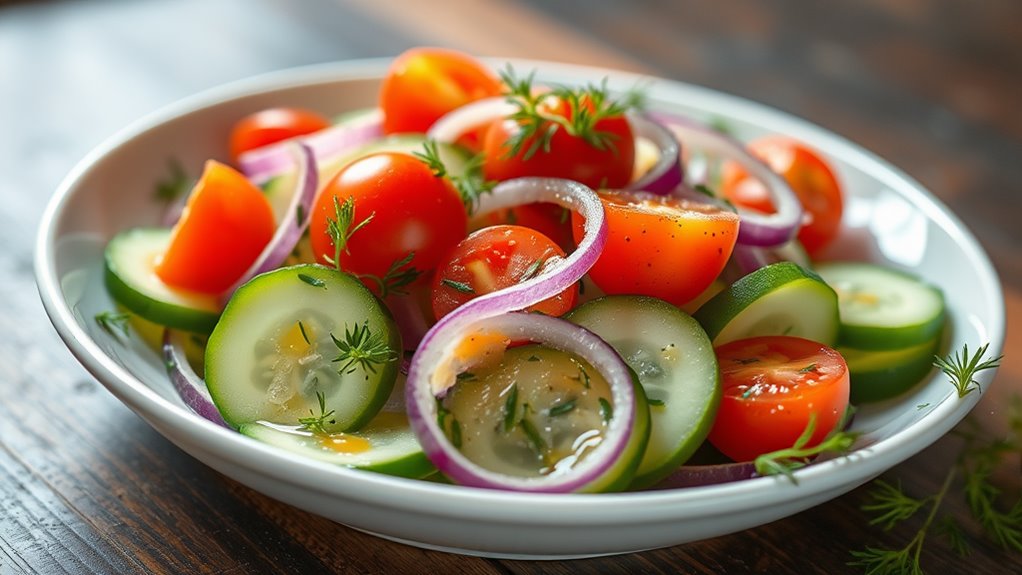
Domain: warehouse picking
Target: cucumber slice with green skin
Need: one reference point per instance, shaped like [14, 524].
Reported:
[386, 444]
[675, 363]
[277, 345]
[130, 258]
[778, 299]
[882, 308]
[456, 159]
[879, 375]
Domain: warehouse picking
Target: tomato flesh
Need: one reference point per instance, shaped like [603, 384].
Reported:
[661, 246]
[411, 210]
[271, 126]
[809, 176]
[494, 258]
[223, 229]
[423, 84]
[772, 386]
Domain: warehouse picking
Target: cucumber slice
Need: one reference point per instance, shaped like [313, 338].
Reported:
[455, 158]
[274, 352]
[675, 363]
[879, 375]
[130, 258]
[882, 308]
[386, 444]
[778, 299]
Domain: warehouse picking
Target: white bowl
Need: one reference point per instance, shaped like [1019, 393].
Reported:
[889, 218]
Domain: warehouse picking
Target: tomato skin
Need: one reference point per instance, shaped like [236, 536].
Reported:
[791, 378]
[569, 156]
[493, 258]
[660, 246]
[808, 174]
[423, 84]
[551, 220]
[273, 125]
[223, 229]
[412, 210]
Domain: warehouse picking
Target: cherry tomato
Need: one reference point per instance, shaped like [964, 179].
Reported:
[494, 258]
[567, 156]
[423, 84]
[551, 220]
[772, 385]
[408, 208]
[809, 176]
[271, 126]
[661, 246]
[223, 229]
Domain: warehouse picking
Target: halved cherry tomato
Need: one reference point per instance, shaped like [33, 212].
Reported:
[609, 165]
[494, 258]
[223, 229]
[772, 385]
[661, 246]
[273, 125]
[409, 210]
[809, 176]
[423, 84]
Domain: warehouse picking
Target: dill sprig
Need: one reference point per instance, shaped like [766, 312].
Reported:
[961, 368]
[786, 461]
[176, 184]
[470, 183]
[362, 348]
[583, 108]
[113, 322]
[342, 226]
[317, 423]
[975, 464]
[399, 275]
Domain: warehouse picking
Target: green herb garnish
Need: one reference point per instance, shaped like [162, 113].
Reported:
[562, 408]
[962, 368]
[317, 423]
[786, 461]
[314, 282]
[113, 322]
[399, 275]
[362, 348]
[457, 286]
[342, 226]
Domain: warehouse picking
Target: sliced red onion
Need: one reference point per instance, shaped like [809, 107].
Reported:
[698, 475]
[461, 120]
[328, 144]
[556, 333]
[410, 318]
[293, 222]
[757, 229]
[187, 383]
[668, 172]
[435, 365]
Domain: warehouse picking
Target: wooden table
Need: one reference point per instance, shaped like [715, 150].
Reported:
[86, 486]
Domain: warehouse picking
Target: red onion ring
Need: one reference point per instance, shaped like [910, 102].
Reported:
[263, 163]
[757, 229]
[559, 334]
[189, 386]
[668, 173]
[294, 220]
[699, 475]
[452, 125]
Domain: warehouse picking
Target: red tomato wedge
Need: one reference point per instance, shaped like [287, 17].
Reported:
[494, 258]
[772, 386]
[225, 226]
[661, 246]
[423, 84]
[271, 126]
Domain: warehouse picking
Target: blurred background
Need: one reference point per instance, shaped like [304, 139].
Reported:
[934, 86]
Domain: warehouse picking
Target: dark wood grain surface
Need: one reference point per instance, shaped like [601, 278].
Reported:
[87, 487]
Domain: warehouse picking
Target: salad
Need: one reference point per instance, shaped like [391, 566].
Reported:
[502, 284]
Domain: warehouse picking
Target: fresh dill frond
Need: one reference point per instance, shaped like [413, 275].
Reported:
[362, 348]
[961, 368]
